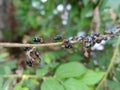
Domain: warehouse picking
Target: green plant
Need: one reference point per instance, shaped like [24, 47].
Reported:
[79, 62]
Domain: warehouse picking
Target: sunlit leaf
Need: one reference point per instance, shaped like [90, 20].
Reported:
[41, 72]
[71, 69]
[92, 77]
[73, 84]
[85, 2]
[51, 84]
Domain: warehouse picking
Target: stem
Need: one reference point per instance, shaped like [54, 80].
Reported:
[20, 76]
[46, 44]
[110, 65]
[32, 45]
[23, 76]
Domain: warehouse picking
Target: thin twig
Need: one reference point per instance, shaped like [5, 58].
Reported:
[32, 45]
[110, 65]
[9, 44]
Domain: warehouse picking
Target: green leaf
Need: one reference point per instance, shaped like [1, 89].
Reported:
[86, 10]
[72, 69]
[75, 56]
[41, 72]
[51, 84]
[7, 84]
[91, 77]
[73, 84]
[3, 55]
[85, 2]
[113, 85]
[25, 88]
[18, 86]
[1, 81]
[103, 4]
[48, 57]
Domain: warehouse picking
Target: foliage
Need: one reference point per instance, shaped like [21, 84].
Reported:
[61, 69]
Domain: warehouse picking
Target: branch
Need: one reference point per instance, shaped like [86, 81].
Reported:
[32, 45]
[110, 65]
[48, 44]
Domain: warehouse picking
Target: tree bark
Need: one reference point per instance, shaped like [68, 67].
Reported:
[7, 20]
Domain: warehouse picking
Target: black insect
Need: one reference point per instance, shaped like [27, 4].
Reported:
[108, 33]
[26, 48]
[38, 39]
[88, 39]
[105, 38]
[99, 39]
[66, 41]
[94, 35]
[89, 44]
[28, 62]
[79, 38]
[68, 46]
[58, 37]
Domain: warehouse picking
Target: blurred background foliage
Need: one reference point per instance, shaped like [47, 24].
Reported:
[60, 69]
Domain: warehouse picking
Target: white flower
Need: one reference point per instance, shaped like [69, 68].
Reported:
[60, 8]
[64, 17]
[43, 1]
[82, 33]
[97, 47]
[35, 4]
[103, 42]
[64, 22]
[68, 7]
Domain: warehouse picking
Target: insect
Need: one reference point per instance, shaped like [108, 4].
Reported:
[38, 39]
[33, 57]
[26, 48]
[67, 44]
[28, 62]
[58, 37]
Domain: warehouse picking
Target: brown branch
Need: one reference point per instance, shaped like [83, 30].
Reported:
[32, 45]
[47, 44]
